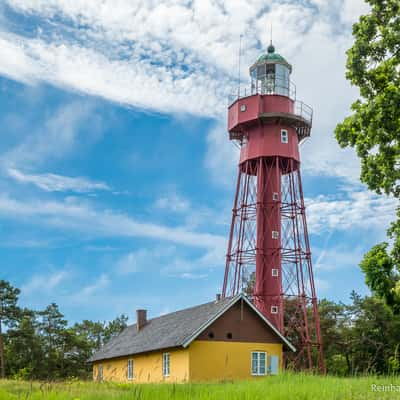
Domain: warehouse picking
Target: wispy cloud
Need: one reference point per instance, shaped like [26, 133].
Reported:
[40, 283]
[56, 136]
[170, 261]
[172, 202]
[338, 257]
[101, 282]
[86, 70]
[132, 262]
[57, 183]
[321, 285]
[352, 210]
[81, 216]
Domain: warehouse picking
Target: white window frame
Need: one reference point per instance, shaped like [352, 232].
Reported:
[284, 136]
[100, 372]
[243, 108]
[275, 272]
[275, 235]
[130, 373]
[258, 370]
[166, 364]
[275, 196]
[274, 309]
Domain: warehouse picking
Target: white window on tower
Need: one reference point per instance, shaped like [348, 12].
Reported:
[275, 272]
[243, 107]
[165, 364]
[284, 136]
[258, 362]
[274, 309]
[130, 369]
[275, 234]
[275, 196]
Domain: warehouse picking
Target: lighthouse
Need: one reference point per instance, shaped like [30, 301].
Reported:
[268, 256]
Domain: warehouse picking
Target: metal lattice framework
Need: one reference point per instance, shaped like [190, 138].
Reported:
[249, 260]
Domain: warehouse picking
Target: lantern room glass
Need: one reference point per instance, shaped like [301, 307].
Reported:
[270, 78]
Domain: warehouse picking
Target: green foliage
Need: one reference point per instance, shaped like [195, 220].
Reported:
[9, 313]
[373, 129]
[394, 361]
[373, 66]
[41, 345]
[359, 338]
[337, 364]
[381, 276]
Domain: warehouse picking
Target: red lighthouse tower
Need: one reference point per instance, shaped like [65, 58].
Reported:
[268, 254]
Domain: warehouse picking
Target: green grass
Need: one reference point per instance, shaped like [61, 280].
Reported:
[282, 387]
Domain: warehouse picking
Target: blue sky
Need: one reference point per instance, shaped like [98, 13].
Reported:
[116, 172]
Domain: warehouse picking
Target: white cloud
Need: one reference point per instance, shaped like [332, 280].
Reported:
[132, 262]
[181, 57]
[81, 216]
[337, 257]
[321, 285]
[131, 82]
[356, 210]
[57, 183]
[39, 283]
[56, 137]
[352, 9]
[190, 275]
[101, 283]
[222, 156]
[172, 202]
[171, 261]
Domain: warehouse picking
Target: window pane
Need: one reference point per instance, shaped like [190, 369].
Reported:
[254, 363]
[262, 369]
[254, 368]
[130, 369]
[166, 364]
[262, 364]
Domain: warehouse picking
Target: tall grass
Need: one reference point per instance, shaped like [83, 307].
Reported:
[283, 387]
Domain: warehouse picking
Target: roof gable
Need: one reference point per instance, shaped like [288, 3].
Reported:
[235, 299]
[239, 323]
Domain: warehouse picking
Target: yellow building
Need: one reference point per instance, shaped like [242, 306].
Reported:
[222, 340]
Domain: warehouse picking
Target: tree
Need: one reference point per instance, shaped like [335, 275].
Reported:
[24, 347]
[115, 327]
[381, 277]
[335, 335]
[373, 129]
[52, 326]
[8, 314]
[90, 336]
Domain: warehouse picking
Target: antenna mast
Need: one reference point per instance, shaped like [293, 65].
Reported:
[271, 34]
[240, 55]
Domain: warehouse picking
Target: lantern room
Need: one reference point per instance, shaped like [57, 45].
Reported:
[270, 75]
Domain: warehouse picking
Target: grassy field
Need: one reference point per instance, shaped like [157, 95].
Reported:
[283, 387]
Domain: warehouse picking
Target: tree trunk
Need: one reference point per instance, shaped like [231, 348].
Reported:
[2, 364]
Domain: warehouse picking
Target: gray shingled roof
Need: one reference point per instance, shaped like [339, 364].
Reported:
[170, 330]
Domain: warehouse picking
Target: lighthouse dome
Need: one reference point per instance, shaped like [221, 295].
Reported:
[271, 58]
